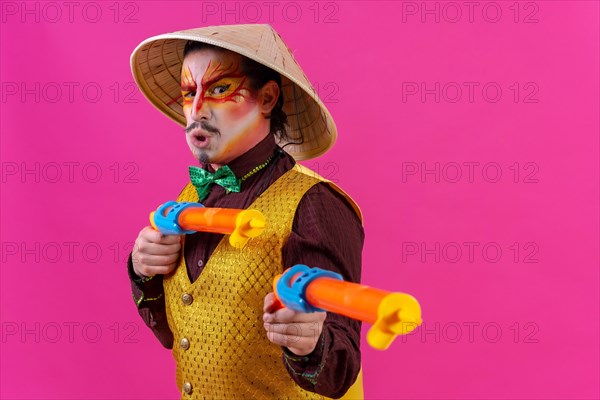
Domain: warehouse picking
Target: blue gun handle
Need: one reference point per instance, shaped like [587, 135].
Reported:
[167, 221]
[293, 294]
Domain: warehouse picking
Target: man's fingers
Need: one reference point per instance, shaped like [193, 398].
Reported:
[154, 253]
[171, 239]
[269, 302]
[149, 234]
[157, 249]
[301, 339]
[297, 331]
[283, 340]
[157, 270]
[303, 329]
[154, 236]
[287, 315]
[155, 260]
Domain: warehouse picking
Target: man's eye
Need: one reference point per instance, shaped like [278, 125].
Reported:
[220, 89]
[189, 94]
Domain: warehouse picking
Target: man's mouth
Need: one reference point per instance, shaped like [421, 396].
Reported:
[200, 139]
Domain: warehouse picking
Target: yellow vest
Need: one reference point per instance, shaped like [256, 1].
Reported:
[220, 345]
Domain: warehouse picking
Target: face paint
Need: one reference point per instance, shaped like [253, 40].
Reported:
[217, 87]
[216, 96]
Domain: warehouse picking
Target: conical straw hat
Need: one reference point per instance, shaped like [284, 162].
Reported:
[156, 65]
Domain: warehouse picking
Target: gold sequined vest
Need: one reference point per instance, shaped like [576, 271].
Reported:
[220, 345]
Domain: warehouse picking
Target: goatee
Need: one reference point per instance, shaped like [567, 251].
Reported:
[203, 157]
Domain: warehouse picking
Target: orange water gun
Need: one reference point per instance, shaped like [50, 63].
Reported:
[306, 289]
[180, 218]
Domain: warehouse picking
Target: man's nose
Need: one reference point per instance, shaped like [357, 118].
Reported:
[199, 108]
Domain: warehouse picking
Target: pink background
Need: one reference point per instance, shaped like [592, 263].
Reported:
[520, 325]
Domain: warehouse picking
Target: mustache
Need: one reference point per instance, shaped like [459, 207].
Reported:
[202, 125]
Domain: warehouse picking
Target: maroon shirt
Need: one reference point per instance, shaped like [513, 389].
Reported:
[326, 233]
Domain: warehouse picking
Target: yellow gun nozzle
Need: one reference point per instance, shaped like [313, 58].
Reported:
[248, 224]
[408, 317]
[256, 223]
[398, 314]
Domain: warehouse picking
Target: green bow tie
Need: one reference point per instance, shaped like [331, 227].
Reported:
[202, 180]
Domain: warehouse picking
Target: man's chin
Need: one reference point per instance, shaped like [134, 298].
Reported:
[203, 157]
[208, 157]
[200, 155]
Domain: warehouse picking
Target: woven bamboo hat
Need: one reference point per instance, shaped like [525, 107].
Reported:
[156, 66]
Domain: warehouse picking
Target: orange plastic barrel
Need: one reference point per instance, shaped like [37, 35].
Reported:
[346, 298]
[215, 220]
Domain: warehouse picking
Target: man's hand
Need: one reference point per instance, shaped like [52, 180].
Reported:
[299, 332]
[155, 253]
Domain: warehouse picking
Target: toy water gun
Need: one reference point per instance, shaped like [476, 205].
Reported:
[179, 218]
[306, 289]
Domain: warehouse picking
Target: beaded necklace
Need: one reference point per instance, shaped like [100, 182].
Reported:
[257, 168]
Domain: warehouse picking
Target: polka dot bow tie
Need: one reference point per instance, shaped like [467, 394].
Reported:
[203, 180]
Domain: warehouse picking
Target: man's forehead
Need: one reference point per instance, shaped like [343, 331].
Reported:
[201, 57]
[208, 66]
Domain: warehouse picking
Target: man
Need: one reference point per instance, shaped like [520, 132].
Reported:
[239, 93]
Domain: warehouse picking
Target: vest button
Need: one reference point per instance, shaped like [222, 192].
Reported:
[187, 388]
[187, 299]
[184, 344]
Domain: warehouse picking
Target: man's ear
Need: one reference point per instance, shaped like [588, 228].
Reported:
[267, 97]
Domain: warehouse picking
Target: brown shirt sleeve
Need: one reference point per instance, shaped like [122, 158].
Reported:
[150, 301]
[327, 234]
